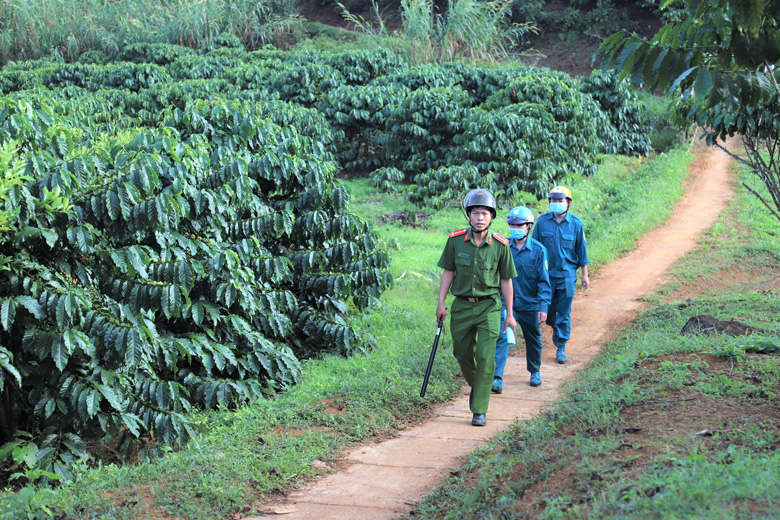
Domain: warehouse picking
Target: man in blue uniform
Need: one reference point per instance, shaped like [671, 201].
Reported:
[476, 265]
[531, 289]
[563, 235]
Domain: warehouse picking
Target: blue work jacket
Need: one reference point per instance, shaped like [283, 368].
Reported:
[567, 250]
[531, 286]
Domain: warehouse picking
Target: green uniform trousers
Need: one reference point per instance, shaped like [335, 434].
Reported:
[474, 328]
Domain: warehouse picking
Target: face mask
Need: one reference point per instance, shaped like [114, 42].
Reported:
[558, 207]
[517, 233]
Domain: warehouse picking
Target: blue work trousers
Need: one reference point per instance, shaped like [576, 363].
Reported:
[559, 313]
[529, 324]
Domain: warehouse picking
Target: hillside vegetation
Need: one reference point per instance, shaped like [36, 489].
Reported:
[175, 236]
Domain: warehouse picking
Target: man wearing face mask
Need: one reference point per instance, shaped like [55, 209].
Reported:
[531, 290]
[477, 264]
[563, 235]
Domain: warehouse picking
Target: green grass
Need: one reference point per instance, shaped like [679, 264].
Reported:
[268, 446]
[708, 448]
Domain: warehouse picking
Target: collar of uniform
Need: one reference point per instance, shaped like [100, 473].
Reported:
[551, 215]
[528, 244]
[468, 236]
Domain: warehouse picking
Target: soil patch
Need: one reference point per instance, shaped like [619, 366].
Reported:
[414, 219]
[331, 406]
[350, 175]
[708, 325]
[647, 433]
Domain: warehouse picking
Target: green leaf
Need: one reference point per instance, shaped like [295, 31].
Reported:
[110, 396]
[49, 409]
[32, 306]
[167, 304]
[25, 454]
[134, 256]
[6, 358]
[133, 423]
[93, 402]
[7, 449]
[135, 346]
[7, 313]
[184, 275]
[51, 237]
[59, 352]
[703, 83]
[197, 312]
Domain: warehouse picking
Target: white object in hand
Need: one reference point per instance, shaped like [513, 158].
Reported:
[510, 336]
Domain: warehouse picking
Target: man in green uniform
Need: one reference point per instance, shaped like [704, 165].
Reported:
[476, 265]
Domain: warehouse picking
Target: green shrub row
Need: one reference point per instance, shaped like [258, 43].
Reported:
[173, 234]
[184, 266]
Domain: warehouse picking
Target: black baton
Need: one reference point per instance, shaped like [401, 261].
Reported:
[433, 355]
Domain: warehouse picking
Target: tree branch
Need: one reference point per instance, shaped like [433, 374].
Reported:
[754, 192]
[734, 156]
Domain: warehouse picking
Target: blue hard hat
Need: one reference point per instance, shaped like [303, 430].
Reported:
[520, 215]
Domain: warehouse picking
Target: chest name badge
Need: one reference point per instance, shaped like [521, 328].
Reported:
[463, 255]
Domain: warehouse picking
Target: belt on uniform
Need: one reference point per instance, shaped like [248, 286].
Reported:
[474, 299]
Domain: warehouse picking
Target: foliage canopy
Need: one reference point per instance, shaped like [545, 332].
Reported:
[723, 59]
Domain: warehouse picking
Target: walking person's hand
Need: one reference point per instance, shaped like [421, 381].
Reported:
[541, 316]
[585, 281]
[441, 312]
[510, 322]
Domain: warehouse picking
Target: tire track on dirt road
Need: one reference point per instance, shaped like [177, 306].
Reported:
[385, 480]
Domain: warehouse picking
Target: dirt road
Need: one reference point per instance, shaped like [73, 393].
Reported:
[385, 480]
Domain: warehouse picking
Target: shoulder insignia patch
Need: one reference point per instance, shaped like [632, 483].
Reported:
[458, 232]
[501, 239]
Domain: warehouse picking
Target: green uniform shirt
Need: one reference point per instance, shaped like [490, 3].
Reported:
[477, 269]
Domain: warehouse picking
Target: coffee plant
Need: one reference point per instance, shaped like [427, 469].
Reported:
[360, 114]
[629, 132]
[173, 235]
[421, 128]
[177, 267]
[386, 179]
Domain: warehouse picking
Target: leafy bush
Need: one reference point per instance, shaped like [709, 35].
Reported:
[440, 187]
[518, 145]
[421, 128]
[360, 113]
[157, 53]
[385, 179]
[202, 67]
[421, 76]
[180, 267]
[305, 83]
[621, 104]
[360, 67]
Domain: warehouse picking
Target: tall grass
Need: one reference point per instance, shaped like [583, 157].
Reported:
[468, 30]
[31, 29]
